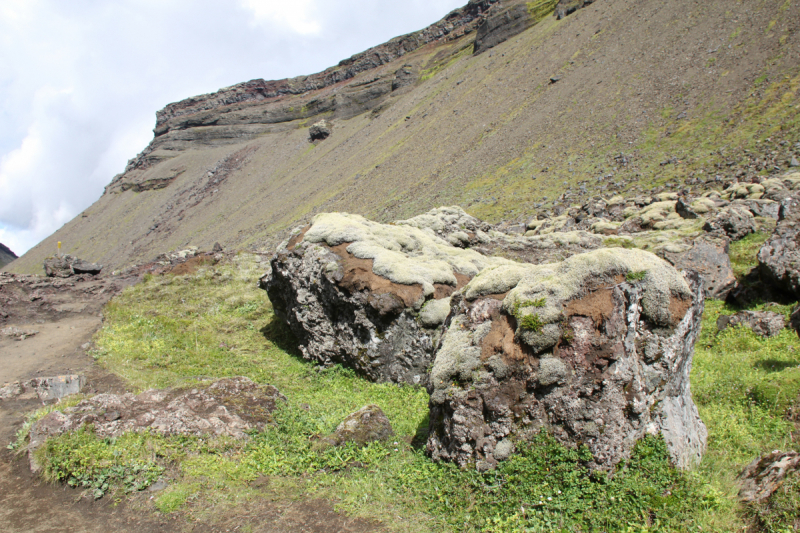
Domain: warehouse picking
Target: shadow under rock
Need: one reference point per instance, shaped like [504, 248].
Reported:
[279, 334]
[773, 365]
[421, 435]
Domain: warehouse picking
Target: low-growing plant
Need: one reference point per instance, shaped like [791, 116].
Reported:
[637, 275]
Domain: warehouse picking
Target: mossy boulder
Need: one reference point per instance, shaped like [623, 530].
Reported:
[368, 424]
[596, 350]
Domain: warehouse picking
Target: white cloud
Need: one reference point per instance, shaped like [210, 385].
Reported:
[297, 15]
[81, 80]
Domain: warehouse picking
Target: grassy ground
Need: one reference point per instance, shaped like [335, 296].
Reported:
[215, 323]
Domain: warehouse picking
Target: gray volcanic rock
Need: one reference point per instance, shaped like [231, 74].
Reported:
[229, 407]
[67, 265]
[763, 323]
[765, 474]
[736, 222]
[6, 255]
[779, 257]
[368, 424]
[44, 389]
[574, 349]
[367, 295]
[710, 259]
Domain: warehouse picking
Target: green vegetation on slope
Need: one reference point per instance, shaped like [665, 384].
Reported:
[215, 323]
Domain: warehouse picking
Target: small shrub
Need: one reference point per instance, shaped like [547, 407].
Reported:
[634, 276]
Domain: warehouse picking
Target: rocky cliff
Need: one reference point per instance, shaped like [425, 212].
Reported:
[503, 107]
[6, 255]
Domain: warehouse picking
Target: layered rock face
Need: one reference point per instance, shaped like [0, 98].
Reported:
[6, 255]
[367, 295]
[596, 349]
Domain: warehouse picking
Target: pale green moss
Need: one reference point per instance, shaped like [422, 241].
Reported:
[456, 359]
[702, 206]
[559, 283]
[434, 312]
[403, 254]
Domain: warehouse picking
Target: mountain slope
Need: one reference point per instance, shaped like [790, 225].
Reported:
[620, 95]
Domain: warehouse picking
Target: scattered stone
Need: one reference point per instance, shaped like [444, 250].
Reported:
[794, 162]
[217, 249]
[735, 222]
[763, 323]
[710, 259]
[764, 475]
[319, 131]
[65, 266]
[565, 7]
[17, 333]
[45, 389]
[573, 348]
[230, 407]
[368, 424]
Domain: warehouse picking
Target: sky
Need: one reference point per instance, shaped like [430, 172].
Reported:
[81, 81]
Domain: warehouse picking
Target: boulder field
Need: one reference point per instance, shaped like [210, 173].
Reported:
[556, 331]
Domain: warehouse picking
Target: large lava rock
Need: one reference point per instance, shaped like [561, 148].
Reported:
[709, 258]
[369, 296]
[596, 349]
[65, 266]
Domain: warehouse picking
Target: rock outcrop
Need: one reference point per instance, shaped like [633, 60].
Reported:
[765, 474]
[596, 349]
[229, 407]
[6, 255]
[369, 296]
[64, 266]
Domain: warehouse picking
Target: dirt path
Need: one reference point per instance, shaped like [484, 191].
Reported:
[65, 314]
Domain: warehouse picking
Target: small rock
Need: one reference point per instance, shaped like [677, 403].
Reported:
[217, 248]
[17, 333]
[764, 475]
[735, 222]
[794, 162]
[368, 424]
[763, 323]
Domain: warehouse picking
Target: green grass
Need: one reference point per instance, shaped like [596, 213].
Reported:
[744, 251]
[215, 323]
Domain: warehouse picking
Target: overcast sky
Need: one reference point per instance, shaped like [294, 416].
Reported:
[81, 80]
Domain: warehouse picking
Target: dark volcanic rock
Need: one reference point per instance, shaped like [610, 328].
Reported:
[6, 255]
[709, 259]
[67, 265]
[764, 323]
[764, 475]
[229, 407]
[368, 296]
[684, 209]
[574, 349]
[368, 424]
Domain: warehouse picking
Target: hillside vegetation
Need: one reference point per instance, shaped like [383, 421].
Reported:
[622, 95]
